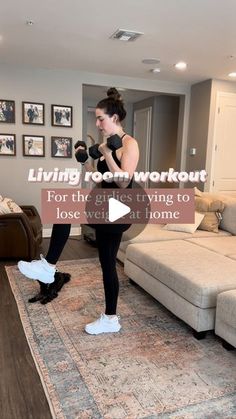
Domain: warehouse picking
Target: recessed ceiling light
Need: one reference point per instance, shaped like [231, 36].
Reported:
[30, 22]
[155, 70]
[150, 61]
[181, 65]
[233, 74]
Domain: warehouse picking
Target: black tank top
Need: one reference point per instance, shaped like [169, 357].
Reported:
[102, 168]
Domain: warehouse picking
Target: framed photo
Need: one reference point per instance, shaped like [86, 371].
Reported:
[62, 116]
[7, 111]
[61, 147]
[7, 145]
[33, 113]
[33, 145]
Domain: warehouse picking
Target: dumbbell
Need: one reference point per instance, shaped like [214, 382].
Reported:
[81, 155]
[114, 142]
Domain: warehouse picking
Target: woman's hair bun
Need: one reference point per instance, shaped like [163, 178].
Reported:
[113, 104]
[113, 93]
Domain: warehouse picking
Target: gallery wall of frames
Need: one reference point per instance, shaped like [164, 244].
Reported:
[33, 113]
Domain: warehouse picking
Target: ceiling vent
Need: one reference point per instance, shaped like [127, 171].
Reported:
[126, 35]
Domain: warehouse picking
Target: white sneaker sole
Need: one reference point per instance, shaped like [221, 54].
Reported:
[98, 332]
[46, 278]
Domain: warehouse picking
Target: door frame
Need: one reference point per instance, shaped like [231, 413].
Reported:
[149, 129]
[219, 96]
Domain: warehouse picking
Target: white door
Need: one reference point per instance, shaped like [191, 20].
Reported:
[224, 153]
[142, 133]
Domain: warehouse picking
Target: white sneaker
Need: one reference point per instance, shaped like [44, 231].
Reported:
[104, 324]
[38, 269]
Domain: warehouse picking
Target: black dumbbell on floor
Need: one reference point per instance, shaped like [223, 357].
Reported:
[114, 142]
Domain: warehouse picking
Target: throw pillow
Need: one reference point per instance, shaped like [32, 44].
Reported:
[211, 209]
[7, 206]
[186, 228]
[197, 192]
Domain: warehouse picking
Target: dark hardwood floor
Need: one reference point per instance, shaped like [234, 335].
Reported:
[21, 392]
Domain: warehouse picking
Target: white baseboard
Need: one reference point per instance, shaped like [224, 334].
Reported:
[75, 231]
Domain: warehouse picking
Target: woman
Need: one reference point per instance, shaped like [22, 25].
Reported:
[110, 113]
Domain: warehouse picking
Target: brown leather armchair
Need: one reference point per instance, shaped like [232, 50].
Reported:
[20, 234]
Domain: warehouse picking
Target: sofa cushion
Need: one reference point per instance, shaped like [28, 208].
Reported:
[7, 205]
[226, 307]
[193, 272]
[156, 233]
[197, 192]
[228, 221]
[186, 228]
[212, 209]
[224, 245]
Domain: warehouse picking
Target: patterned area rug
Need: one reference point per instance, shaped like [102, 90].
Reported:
[152, 368]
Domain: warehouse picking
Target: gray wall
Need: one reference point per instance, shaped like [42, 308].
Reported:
[198, 124]
[53, 87]
[48, 87]
[165, 128]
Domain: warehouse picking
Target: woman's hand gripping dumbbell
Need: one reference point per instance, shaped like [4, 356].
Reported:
[113, 143]
[81, 154]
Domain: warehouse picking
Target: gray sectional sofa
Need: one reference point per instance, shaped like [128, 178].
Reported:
[185, 272]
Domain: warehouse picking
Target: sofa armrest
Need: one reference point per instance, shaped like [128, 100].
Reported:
[34, 220]
[16, 236]
[20, 218]
[30, 210]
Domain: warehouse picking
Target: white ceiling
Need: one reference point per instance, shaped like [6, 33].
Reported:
[74, 34]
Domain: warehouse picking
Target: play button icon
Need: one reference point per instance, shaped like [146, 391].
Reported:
[116, 209]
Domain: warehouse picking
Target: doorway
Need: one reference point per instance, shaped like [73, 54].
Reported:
[153, 119]
[224, 148]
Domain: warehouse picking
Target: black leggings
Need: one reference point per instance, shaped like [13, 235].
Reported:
[59, 237]
[108, 245]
